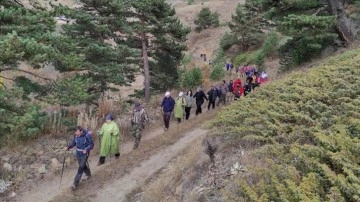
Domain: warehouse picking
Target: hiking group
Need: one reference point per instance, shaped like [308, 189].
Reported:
[109, 136]
[180, 107]
[222, 93]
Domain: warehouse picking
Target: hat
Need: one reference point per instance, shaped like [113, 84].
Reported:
[167, 94]
[181, 94]
[109, 117]
[198, 89]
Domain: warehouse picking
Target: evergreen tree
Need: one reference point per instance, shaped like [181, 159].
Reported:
[206, 18]
[246, 25]
[95, 33]
[312, 25]
[157, 32]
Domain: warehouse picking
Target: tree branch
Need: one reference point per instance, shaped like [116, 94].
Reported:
[24, 71]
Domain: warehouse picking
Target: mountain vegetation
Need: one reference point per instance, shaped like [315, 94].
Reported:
[102, 43]
[300, 136]
[308, 26]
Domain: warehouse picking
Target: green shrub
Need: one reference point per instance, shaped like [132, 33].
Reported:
[270, 44]
[191, 78]
[20, 120]
[217, 72]
[300, 136]
[243, 59]
[227, 41]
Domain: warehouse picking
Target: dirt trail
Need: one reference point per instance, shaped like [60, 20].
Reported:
[48, 188]
[118, 190]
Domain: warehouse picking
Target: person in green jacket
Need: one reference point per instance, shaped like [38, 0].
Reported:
[110, 136]
[180, 104]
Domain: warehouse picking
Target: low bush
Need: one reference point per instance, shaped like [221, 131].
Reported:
[301, 136]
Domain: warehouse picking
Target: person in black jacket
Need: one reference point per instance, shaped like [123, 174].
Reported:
[213, 94]
[199, 99]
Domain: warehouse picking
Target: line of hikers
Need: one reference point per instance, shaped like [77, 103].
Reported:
[181, 106]
[109, 134]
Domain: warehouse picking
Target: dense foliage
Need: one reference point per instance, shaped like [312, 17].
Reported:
[19, 120]
[206, 19]
[300, 136]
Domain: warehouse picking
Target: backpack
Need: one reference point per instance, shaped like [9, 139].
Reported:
[138, 117]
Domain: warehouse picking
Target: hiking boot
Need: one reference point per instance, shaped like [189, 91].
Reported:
[73, 187]
[87, 177]
[135, 146]
[99, 164]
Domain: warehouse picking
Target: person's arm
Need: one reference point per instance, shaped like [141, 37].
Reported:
[115, 129]
[72, 144]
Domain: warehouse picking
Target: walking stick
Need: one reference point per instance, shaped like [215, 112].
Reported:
[110, 146]
[62, 170]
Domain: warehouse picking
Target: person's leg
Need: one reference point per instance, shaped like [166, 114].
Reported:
[87, 170]
[188, 113]
[213, 104]
[137, 135]
[101, 160]
[82, 165]
[209, 105]
[178, 120]
[167, 118]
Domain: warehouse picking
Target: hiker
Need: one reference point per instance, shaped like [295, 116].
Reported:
[227, 66]
[110, 136]
[230, 91]
[180, 104]
[189, 103]
[83, 143]
[167, 105]
[139, 116]
[213, 93]
[199, 100]
[231, 66]
[248, 86]
[224, 90]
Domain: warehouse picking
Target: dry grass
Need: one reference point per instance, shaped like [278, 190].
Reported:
[165, 185]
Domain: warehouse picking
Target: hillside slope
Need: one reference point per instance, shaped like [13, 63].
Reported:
[296, 139]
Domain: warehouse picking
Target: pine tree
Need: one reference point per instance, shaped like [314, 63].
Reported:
[246, 25]
[95, 33]
[157, 32]
[206, 18]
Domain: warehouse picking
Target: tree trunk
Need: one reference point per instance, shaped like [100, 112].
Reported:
[146, 66]
[345, 27]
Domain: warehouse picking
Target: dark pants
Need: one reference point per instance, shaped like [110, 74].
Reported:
[211, 103]
[198, 108]
[187, 112]
[83, 168]
[167, 116]
[102, 158]
[222, 99]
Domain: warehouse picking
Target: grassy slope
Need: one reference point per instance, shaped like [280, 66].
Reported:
[301, 136]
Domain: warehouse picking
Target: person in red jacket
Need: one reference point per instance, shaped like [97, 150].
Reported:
[238, 89]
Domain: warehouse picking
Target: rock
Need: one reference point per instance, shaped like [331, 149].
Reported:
[236, 166]
[3, 186]
[55, 163]
[42, 169]
[5, 158]
[8, 167]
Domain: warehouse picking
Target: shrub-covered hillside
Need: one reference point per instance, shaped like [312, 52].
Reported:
[300, 136]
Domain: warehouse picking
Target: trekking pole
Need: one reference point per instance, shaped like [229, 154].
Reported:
[62, 170]
[110, 147]
[63, 164]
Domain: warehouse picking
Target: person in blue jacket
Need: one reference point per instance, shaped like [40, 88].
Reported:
[83, 143]
[168, 105]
